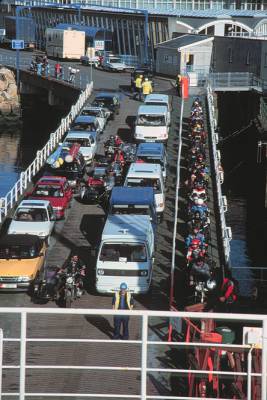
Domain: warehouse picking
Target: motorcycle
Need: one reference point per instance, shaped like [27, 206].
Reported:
[203, 289]
[44, 286]
[69, 290]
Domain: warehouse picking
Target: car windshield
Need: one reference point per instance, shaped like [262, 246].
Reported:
[83, 126]
[48, 191]
[17, 251]
[131, 209]
[93, 113]
[82, 141]
[145, 182]
[104, 101]
[114, 60]
[29, 214]
[155, 103]
[151, 160]
[151, 120]
[129, 252]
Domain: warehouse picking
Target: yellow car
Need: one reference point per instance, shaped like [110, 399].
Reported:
[21, 258]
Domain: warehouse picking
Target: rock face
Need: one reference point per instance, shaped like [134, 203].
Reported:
[9, 100]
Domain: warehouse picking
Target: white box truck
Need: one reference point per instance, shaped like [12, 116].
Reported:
[65, 43]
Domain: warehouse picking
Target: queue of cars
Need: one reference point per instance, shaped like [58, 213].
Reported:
[134, 204]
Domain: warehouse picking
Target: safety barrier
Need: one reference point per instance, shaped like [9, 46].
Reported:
[148, 345]
[222, 202]
[8, 202]
[80, 80]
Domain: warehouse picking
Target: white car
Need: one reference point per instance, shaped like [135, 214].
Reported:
[157, 99]
[33, 217]
[113, 63]
[88, 142]
[97, 112]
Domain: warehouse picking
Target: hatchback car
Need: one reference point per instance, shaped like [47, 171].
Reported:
[87, 141]
[34, 217]
[21, 259]
[98, 113]
[87, 123]
[55, 189]
[109, 100]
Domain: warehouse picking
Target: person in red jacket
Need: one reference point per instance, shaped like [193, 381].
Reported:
[227, 296]
[119, 157]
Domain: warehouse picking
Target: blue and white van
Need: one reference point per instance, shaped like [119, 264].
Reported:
[126, 254]
[148, 175]
[153, 153]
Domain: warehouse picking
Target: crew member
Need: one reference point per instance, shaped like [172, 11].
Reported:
[178, 83]
[138, 86]
[147, 88]
[122, 300]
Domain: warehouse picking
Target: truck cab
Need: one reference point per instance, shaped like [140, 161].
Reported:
[148, 175]
[56, 190]
[87, 141]
[152, 124]
[133, 201]
[126, 253]
[154, 153]
[35, 217]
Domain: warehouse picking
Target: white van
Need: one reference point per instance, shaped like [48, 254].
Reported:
[148, 175]
[152, 124]
[126, 254]
[158, 99]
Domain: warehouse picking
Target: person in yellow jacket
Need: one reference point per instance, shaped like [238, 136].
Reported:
[147, 88]
[138, 86]
[178, 83]
[122, 300]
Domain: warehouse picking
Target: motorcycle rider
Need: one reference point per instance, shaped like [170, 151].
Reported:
[196, 234]
[195, 251]
[119, 157]
[75, 267]
[199, 270]
[201, 207]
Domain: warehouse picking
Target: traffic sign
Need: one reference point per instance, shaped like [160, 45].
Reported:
[17, 44]
[2, 32]
[99, 45]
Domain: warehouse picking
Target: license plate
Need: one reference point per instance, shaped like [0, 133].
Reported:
[8, 285]
[150, 140]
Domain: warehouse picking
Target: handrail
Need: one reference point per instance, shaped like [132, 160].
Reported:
[225, 231]
[10, 199]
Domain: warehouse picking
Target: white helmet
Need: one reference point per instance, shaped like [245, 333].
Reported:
[199, 202]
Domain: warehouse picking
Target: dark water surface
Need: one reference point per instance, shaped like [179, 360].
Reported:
[243, 186]
[19, 144]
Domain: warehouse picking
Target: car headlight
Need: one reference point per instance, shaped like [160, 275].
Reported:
[58, 208]
[24, 279]
[100, 272]
[144, 272]
[42, 234]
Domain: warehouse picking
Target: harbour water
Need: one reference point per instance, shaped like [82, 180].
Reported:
[19, 144]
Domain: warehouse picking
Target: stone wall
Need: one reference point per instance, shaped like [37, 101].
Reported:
[9, 99]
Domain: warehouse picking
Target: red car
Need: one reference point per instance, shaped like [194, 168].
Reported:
[55, 189]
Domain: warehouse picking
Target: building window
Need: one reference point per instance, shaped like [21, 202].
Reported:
[230, 55]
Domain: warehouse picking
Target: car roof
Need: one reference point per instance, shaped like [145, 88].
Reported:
[144, 169]
[151, 149]
[106, 94]
[34, 203]
[85, 118]
[132, 195]
[52, 179]
[79, 135]
[134, 227]
[20, 239]
[92, 108]
[157, 97]
[156, 110]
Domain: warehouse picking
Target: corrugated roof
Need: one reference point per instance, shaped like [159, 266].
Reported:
[90, 31]
[182, 41]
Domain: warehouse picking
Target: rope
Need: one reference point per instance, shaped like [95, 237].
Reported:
[236, 133]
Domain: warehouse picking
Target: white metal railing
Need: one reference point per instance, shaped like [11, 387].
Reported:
[222, 205]
[81, 79]
[10, 199]
[148, 345]
[235, 80]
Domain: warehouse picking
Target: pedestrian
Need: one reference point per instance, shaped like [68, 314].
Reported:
[178, 84]
[227, 295]
[47, 70]
[138, 87]
[122, 300]
[72, 73]
[147, 88]
[39, 69]
[57, 70]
